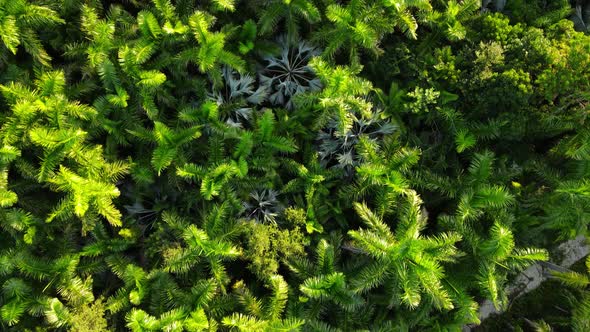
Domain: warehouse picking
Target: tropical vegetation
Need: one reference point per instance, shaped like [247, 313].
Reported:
[287, 165]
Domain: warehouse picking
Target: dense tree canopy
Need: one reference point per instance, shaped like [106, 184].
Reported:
[287, 165]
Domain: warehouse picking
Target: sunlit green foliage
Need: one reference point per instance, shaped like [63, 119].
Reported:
[286, 165]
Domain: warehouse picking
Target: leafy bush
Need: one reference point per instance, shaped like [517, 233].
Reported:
[298, 165]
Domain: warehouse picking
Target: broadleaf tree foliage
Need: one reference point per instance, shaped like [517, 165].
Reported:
[286, 165]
